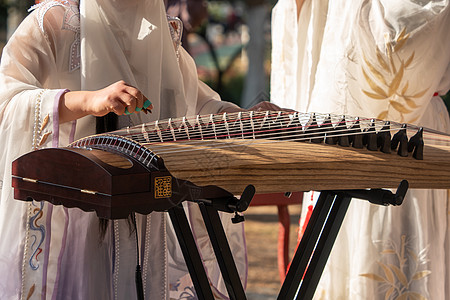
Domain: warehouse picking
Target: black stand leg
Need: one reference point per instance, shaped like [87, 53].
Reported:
[190, 253]
[222, 251]
[311, 255]
[209, 209]
[324, 246]
[327, 211]
[320, 234]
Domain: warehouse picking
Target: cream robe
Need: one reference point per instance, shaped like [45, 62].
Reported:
[50, 252]
[378, 59]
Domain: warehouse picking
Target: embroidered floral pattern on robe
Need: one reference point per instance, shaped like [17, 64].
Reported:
[387, 78]
[401, 267]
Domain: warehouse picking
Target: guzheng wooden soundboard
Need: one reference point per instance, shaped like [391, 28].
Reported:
[156, 166]
[231, 151]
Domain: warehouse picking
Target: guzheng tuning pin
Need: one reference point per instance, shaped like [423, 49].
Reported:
[181, 129]
[344, 141]
[188, 130]
[209, 128]
[400, 142]
[330, 134]
[221, 126]
[370, 137]
[198, 127]
[313, 130]
[384, 138]
[415, 144]
[356, 137]
[343, 133]
[289, 127]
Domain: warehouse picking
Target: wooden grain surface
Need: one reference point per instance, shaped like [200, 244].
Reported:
[299, 166]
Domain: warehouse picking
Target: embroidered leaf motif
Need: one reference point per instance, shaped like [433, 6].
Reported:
[31, 291]
[410, 102]
[386, 77]
[388, 46]
[400, 275]
[374, 96]
[402, 297]
[405, 88]
[390, 58]
[421, 274]
[415, 296]
[44, 138]
[396, 81]
[374, 86]
[381, 61]
[402, 34]
[413, 255]
[389, 293]
[389, 275]
[375, 72]
[388, 251]
[44, 122]
[419, 94]
[373, 277]
[401, 40]
[410, 59]
[397, 283]
[399, 107]
[383, 116]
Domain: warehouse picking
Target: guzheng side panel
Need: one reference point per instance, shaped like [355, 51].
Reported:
[298, 166]
[89, 179]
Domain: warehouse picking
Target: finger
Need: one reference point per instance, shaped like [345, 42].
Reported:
[147, 107]
[138, 103]
[136, 94]
[117, 107]
[129, 104]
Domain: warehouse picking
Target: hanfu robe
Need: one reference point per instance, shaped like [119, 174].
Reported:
[385, 59]
[53, 252]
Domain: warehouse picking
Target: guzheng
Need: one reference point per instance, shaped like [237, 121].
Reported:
[157, 165]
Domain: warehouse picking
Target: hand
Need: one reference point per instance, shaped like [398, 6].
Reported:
[265, 105]
[118, 98]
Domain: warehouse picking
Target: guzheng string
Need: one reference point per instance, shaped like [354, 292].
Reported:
[259, 127]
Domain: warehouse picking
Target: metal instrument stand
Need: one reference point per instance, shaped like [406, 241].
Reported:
[310, 257]
[321, 232]
[209, 209]
[191, 255]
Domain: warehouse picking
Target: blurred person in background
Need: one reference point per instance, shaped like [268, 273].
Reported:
[385, 59]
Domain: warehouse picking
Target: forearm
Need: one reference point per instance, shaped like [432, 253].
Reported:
[118, 98]
[73, 106]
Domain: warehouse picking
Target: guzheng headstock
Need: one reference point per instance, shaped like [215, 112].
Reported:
[113, 176]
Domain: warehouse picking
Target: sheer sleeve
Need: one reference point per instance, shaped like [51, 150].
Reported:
[402, 48]
[206, 99]
[380, 59]
[29, 90]
[30, 79]
[27, 97]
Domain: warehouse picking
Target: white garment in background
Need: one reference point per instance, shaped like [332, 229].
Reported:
[51, 252]
[377, 59]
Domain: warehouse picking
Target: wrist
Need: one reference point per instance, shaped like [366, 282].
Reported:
[73, 105]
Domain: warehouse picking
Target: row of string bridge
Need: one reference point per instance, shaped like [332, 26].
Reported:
[371, 139]
[288, 126]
